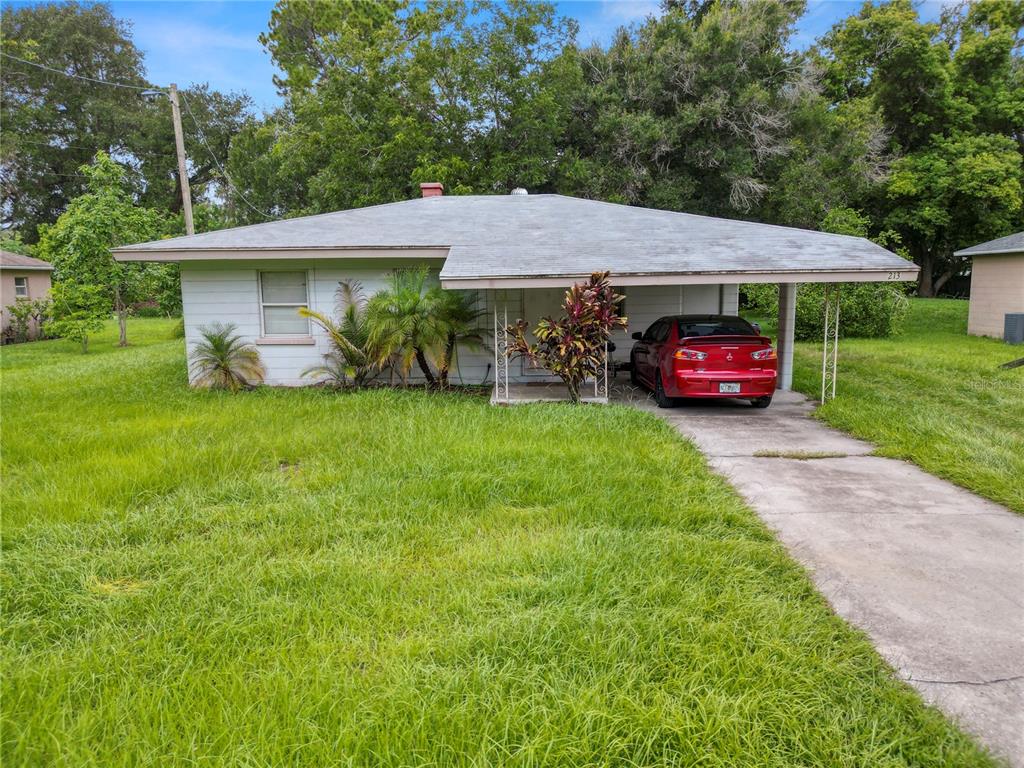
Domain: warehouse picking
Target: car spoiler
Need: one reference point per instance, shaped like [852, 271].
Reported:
[746, 338]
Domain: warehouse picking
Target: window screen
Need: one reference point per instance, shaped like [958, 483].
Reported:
[282, 295]
[21, 287]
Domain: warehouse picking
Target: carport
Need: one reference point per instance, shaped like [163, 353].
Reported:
[666, 263]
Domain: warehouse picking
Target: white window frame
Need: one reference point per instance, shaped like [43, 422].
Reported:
[263, 305]
[17, 293]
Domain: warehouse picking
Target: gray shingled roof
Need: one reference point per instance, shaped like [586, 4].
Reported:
[550, 235]
[1010, 244]
[16, 260]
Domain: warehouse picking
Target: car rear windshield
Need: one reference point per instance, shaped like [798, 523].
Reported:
[723, 326]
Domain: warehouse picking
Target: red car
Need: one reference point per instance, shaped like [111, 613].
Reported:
[704, 356]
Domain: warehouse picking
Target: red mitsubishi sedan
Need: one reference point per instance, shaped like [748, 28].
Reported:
[704, 356]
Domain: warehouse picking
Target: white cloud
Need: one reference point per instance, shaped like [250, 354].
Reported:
[186, 37]
[189, 50]
[628, 11]
[600, 20]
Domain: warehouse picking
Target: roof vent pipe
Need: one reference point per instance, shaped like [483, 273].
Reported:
[432, 189]
[519, 191]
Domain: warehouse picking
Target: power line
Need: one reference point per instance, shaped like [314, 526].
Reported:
[195, 121]
[69, 145]
[78, 77]
[212, 154]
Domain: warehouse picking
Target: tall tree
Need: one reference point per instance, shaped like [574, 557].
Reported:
[52, 123]
[686, 111]
[56, 121]
[952, 100]
[384, 96]
[105, 216]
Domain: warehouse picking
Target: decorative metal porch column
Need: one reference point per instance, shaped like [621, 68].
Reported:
[830, 347]
[601, 379]
[501, 392]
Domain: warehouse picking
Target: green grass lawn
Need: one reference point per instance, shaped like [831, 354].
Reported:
[393, 578]
[932, 395]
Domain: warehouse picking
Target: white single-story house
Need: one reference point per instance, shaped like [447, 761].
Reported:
[997, 284]
[517, 252]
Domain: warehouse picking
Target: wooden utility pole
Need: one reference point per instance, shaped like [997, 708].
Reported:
[179, 142]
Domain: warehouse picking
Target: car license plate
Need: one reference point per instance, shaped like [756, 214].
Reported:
[729, 388]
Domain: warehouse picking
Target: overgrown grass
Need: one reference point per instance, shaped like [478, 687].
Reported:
[932, 395]
[388, 578]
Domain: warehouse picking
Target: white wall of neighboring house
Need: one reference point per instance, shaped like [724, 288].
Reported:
[228, 292]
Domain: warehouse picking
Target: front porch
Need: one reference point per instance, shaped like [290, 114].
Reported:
[618, 390]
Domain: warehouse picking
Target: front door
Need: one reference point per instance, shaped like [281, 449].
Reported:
[538, 303]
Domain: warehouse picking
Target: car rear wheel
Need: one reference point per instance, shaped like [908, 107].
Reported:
[662, 400]
[762, 402]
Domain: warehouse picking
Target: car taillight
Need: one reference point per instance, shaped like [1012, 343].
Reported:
[763, 354]
[690, 354]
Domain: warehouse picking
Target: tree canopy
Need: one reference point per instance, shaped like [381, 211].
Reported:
[952, 98]
[78, 244]
[56, 119]
[915, 127]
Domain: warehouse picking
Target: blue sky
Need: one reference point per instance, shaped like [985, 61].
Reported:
[216, 41]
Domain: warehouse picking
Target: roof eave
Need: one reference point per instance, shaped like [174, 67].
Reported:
[993, 252]
[127, 253]
[900, 273]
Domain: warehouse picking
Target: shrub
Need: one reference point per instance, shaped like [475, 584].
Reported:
[78, 310]
[866, 310]
[41, 311]
[223, 361]
[147, 309]
[20, 313]
[352, 359]
[404, 322]
[573, 346]
[461, 319]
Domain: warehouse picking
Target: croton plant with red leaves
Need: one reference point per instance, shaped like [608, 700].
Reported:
[572, 346]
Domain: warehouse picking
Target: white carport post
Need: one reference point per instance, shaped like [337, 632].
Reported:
[830, 345]
[784, 343]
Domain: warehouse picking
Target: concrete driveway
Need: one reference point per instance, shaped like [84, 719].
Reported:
[932, 573]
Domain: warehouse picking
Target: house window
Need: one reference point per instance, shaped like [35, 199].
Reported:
[282, 294]
[21, 287]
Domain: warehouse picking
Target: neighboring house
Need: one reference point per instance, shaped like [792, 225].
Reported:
[517, 252]
[21, 277]
[997, 284]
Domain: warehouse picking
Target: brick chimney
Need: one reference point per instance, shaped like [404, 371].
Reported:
[432, 189]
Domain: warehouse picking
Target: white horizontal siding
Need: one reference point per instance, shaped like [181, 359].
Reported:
[231, 295]
[228, 293]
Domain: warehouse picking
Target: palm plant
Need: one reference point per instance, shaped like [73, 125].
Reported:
[223, 361]
[460, 316]
[405, 322]
[352, 359]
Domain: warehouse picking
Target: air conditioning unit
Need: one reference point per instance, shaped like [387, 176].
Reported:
[1013, 328]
